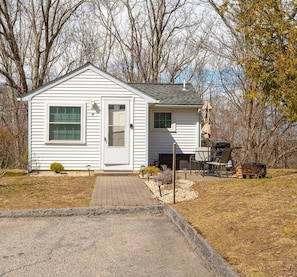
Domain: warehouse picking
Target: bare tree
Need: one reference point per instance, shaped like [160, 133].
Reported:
[29, 31]
[156, 40]
[6, 138]
[89, 41]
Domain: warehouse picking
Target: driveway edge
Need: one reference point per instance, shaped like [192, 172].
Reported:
[210, 256]
[82, 211]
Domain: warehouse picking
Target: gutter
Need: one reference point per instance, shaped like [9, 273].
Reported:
[178, 106]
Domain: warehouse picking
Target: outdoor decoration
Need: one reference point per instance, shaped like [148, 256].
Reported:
[206, 130]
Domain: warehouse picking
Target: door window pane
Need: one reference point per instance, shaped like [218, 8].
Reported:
[116, 125]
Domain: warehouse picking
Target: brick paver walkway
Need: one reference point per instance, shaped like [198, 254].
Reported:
[121, 191]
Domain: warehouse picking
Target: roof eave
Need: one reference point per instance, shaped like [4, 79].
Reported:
[178, 106]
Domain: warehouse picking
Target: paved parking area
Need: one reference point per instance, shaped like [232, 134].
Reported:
[138, 244]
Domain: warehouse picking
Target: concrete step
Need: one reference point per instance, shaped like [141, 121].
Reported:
[115, 173]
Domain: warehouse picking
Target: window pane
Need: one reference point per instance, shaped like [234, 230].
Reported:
[65, 114]
[116, 125]
[116, 136]
[162, 124]
[64, 132]
[167, 124]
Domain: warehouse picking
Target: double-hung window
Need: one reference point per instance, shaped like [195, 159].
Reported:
[65, 123]
[163, 120]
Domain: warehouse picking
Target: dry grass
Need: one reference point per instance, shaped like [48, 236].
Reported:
[42, 192]
[252, 223]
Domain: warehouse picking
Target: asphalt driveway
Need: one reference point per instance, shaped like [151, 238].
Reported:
[108, 245]
[135, 241]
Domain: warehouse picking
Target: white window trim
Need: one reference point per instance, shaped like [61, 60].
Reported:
[173, 122]
[82, 120]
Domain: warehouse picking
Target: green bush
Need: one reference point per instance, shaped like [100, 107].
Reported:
[56, 167]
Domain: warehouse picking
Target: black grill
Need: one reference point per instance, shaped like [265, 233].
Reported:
[218, 147]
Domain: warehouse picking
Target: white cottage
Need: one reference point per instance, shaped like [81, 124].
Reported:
[90, 118]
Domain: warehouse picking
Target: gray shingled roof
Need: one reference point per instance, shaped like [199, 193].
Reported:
[170, 94]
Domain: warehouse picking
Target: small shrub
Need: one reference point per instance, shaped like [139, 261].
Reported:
[165, 177]
[56, 167]
[153, 170]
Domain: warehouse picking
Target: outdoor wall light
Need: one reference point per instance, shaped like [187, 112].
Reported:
[93, 105]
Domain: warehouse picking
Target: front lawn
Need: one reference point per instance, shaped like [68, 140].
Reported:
[43, 192]
[251, 222]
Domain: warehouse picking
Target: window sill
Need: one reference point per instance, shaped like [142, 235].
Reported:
[65, 142]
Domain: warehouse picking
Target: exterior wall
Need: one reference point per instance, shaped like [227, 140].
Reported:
[185, 135]
[82, 89]
[139, 129]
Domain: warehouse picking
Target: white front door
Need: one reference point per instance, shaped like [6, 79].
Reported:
[116, 134]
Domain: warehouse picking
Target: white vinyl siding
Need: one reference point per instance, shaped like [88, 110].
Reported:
[139, 133]
[185, 135]
[82, 90]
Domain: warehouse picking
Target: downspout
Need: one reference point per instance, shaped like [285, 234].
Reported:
[199, 127]
[147, 111]
[29, 136]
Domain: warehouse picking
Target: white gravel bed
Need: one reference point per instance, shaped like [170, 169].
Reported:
[183, 191]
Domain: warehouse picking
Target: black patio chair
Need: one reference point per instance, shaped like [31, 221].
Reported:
[215, 165]
[197, 161]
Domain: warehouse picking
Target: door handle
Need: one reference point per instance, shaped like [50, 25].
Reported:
[105, 139]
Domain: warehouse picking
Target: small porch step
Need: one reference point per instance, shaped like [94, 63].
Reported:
[115, 173]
